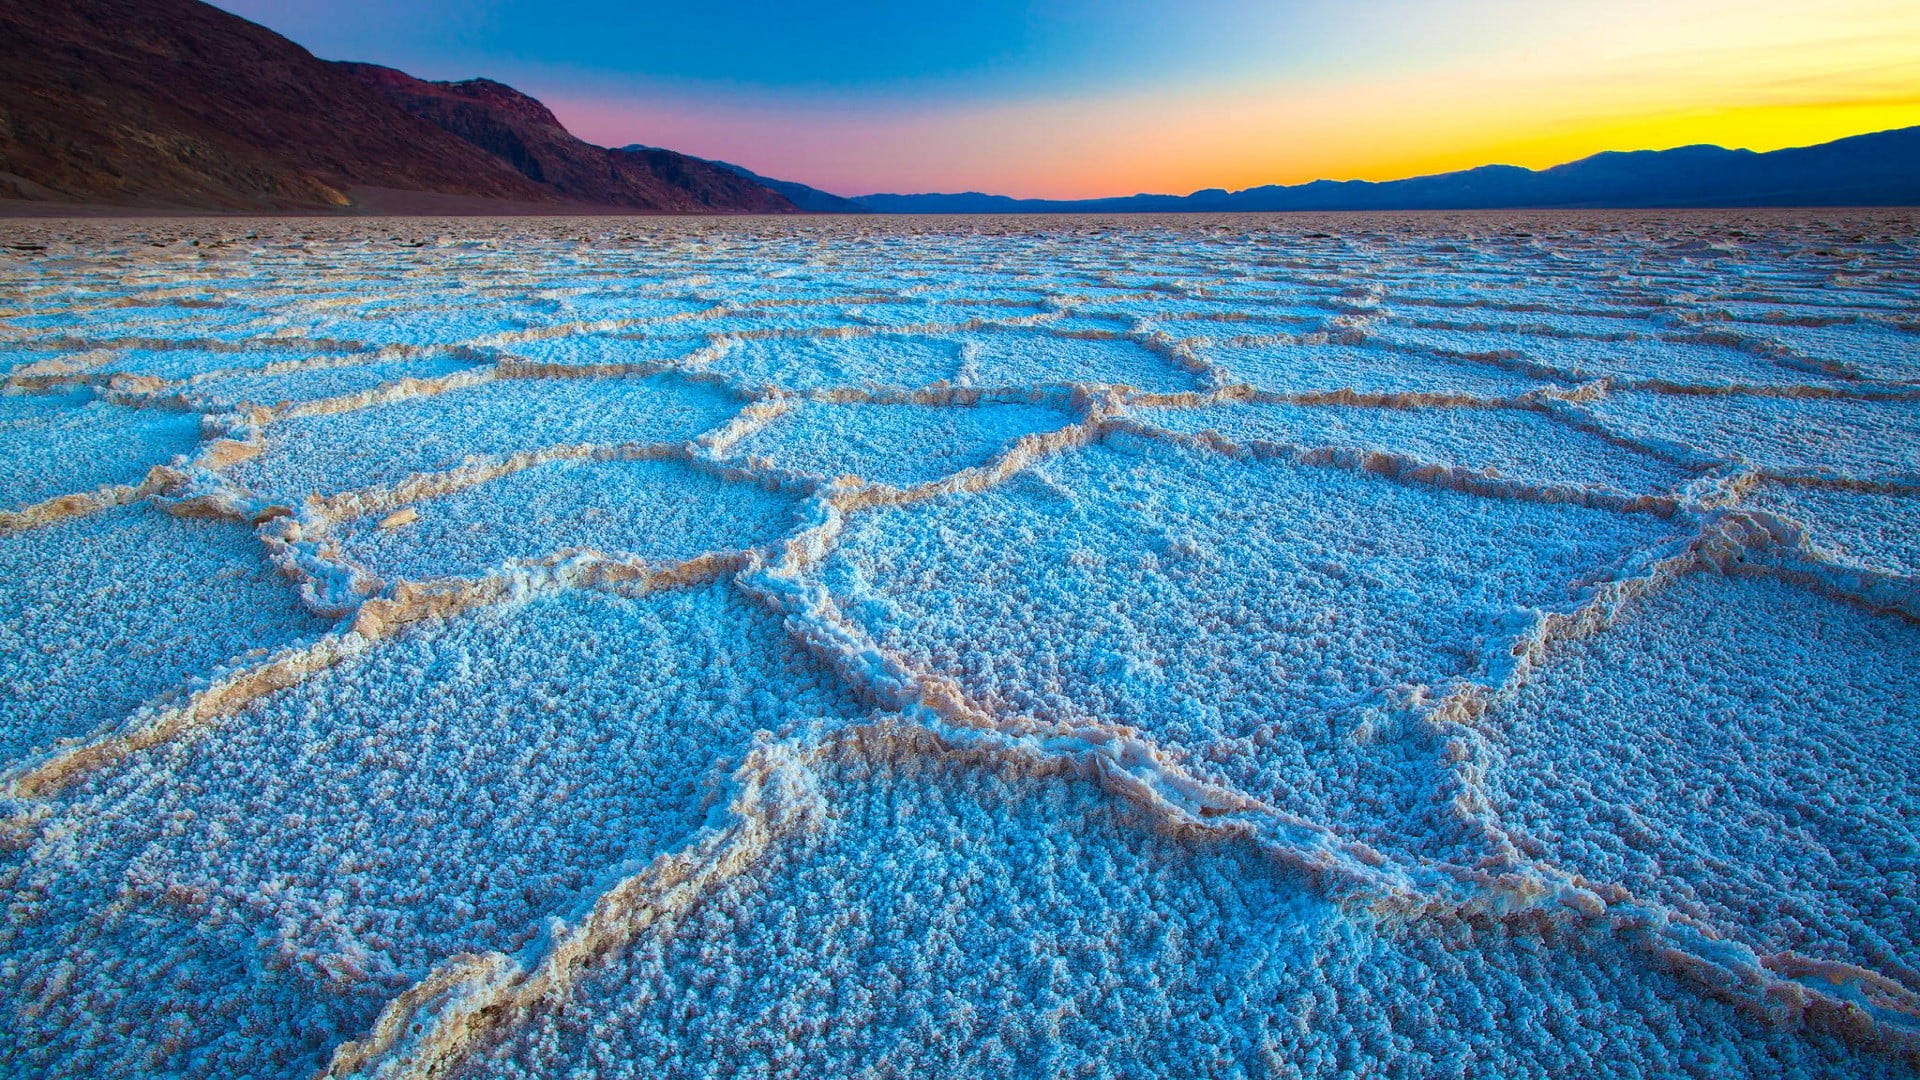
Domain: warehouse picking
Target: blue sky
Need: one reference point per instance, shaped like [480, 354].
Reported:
[990, 49]
[1082, 98]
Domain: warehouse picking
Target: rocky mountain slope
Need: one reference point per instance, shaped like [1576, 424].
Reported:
[174, 104]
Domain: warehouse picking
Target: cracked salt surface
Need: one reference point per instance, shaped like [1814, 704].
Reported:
[824, 363]
[1020, 357]
[87, 641]
[67, 443]
[1756, 775]
[1879, 531]
[1419, 646]
[1262, 619]
[895, 443]
[659, 511]
[328, 452]
[944, 920]
[1287, 366]
[1522, 445]
[440, 794]
[1859, 441]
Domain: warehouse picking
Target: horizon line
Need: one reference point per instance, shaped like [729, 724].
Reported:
[1327, 180]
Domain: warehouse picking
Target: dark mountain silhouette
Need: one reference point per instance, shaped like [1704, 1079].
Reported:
[177, 104]
[520, 131]
[811, 199]
[1881, 169]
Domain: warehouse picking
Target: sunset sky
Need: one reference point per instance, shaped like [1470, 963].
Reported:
[1083, 98]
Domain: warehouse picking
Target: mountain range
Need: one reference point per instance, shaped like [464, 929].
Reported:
[178, 105]
[811, 199]
[1881, 169]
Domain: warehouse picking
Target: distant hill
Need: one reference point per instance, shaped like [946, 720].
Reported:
[811, 199]
[1881, 169]
[176, 104]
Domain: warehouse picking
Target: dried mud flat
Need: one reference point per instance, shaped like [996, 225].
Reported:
[1430, 645]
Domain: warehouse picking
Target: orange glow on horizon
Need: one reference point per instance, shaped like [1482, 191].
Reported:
[1349, 156]
[1761, 75]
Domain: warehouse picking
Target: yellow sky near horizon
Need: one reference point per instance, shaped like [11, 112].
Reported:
[1531, 86]
[1764, 80]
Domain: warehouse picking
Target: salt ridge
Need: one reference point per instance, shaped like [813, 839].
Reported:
[472, 1001]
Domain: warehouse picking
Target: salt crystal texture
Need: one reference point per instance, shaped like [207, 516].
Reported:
[1463, 646]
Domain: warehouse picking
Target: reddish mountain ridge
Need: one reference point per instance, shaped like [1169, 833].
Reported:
[176, 104]
[520, 131]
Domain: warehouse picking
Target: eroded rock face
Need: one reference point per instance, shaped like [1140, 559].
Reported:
[174, 103]
[692, 648]
[178, 103]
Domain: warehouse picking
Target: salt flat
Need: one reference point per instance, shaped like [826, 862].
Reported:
[1434, 645]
